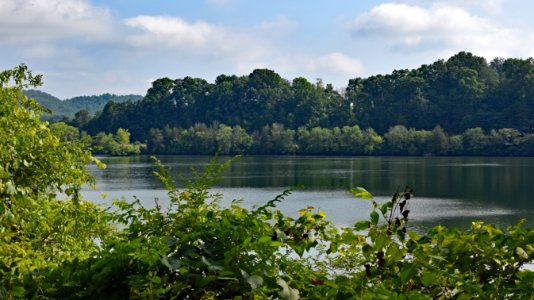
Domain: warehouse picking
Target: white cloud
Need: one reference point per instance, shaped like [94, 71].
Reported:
[197, 38]
[337, 64]
[443, 29]
[30, 21]
[171, 31]
[491, 6]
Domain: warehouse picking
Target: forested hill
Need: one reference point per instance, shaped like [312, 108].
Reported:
[68, 107]
[464, 91]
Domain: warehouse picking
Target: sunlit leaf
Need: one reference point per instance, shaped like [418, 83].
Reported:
[521, 253]
[265, 239]
[362, 193]
[386, 206]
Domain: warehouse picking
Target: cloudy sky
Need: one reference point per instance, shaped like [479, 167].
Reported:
[86, 47]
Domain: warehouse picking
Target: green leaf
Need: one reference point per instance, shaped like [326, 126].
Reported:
[276, 244]
[428, 278]
[362, 225]
[407, 272]
[362, 193]
[205, 281]
[265, 239]
[521, 253]
[384, 208]
[18, 291]
[381, 241]
[413, 235]
[374, 217]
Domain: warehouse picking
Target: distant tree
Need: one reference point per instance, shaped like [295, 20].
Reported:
[224, 139]
[155, 142]
[474, 140]
[65, 132]
[438, 141]
[241, 140]
[81, 118]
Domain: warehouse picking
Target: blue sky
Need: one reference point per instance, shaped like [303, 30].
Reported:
[86, 47]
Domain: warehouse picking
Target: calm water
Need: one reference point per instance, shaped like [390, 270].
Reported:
[452, 191]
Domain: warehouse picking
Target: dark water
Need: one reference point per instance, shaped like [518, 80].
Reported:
[453, 191]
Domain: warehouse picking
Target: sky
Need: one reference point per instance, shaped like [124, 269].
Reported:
[90, 47]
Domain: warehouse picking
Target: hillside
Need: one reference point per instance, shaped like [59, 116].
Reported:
[68, 107]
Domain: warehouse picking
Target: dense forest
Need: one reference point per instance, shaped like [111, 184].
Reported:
[60, 109]
[460, 106]
[57, 245]
[462, 92]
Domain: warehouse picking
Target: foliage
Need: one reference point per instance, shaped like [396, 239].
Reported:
[346, 140]
[115, 144]
[432, 110]
[485, 262]
[195, 249]
[57, 109]
[65, 131]
[462, 92]
[39, 231]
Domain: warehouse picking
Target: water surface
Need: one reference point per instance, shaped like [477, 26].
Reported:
[453, 191]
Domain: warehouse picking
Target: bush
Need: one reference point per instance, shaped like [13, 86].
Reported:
[39, 231]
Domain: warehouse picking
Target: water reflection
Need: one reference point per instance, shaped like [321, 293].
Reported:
[450, 191]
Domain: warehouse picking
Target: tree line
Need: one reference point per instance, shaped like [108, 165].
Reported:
[346, 140]
[462, 92]
[460, 106]
[276, 139]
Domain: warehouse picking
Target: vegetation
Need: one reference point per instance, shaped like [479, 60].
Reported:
[195, 249]
[460, 93]
[57, 109]
[118, 144]
[39, 231]
[113, 144]
[462, 106]
[346, 140]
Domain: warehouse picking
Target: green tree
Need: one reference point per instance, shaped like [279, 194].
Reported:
[155, 141]
[123, 136]
[241, 140]
[438, 141]
[397, 139]
[224, 139]
[475, 141]
[372, 141]
[65, 132]
[81, 118]
[39, 229]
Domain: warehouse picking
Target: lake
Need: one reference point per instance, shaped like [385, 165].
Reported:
[452, 191]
